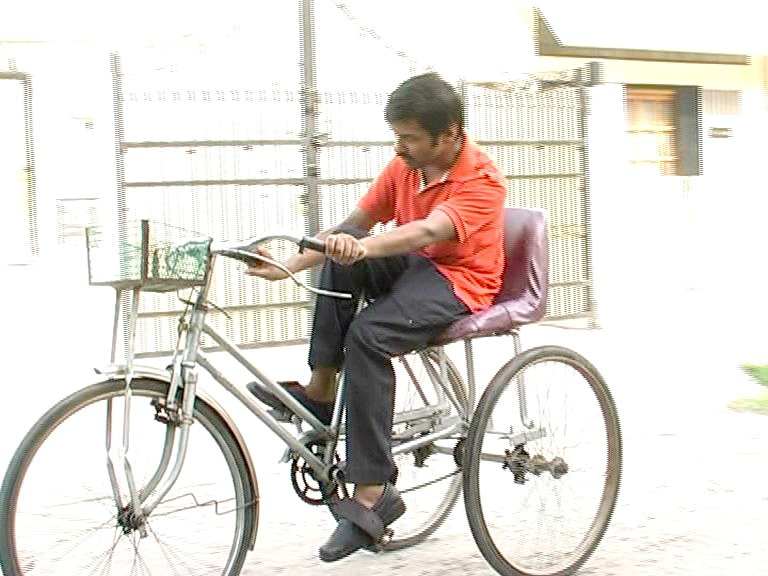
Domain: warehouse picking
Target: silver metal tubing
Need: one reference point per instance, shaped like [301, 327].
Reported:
[451, 427]
[470, 359]
[336, 428]
[291, 402]
[440, 384]
[317, 465]
[165, 459]
[404, 361]
[523, 437]
[426, 412]
[133, 492]
[115, 322]
[110, 464]
[521, 385]
[154, 499]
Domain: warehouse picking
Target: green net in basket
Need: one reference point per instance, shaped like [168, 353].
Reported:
[149, 255]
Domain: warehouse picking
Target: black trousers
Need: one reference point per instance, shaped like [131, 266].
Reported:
[410, 303]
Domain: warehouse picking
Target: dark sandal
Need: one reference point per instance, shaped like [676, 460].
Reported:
[322, 410]
[360, 527]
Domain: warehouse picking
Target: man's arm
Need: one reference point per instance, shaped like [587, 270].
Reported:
[455, 219]
[404, 239]
[437, 227]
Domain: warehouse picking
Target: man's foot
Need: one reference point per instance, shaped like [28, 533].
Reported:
[322, 410]
[361, 527]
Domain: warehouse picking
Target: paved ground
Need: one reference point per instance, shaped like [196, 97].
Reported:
[693, 499]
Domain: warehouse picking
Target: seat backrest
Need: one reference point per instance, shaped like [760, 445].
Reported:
[526, 270]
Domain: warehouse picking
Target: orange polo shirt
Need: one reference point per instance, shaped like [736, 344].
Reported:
[472, 196]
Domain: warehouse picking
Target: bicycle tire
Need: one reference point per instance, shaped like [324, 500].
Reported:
[612, 473]
[246, 495]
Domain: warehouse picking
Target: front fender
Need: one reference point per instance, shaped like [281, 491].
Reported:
[118, 372]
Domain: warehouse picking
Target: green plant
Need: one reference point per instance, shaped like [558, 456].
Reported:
[759, 405]
[758, 372]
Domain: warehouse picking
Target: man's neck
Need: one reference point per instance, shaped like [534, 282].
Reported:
[439, 168]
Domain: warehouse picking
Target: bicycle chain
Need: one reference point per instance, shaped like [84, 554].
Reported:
[436, 480]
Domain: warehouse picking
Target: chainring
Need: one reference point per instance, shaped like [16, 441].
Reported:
[305, 483]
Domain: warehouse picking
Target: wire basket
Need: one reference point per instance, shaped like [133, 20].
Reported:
[152, 256]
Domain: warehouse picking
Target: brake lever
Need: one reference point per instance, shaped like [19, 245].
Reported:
[247, 257]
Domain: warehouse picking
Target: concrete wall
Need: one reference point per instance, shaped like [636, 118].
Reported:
[657, 238]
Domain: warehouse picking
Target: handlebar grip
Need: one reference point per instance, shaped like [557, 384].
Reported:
[311, 243]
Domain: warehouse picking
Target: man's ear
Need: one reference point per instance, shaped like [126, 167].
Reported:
[451, 134]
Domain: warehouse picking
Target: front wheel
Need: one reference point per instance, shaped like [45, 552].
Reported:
[58, 511]
[543, 464]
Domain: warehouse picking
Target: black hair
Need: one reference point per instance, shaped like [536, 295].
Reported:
[428, 100]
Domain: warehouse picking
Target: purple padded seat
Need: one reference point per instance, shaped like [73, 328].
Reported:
[523, 295]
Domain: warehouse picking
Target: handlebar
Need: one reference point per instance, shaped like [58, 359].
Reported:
[242, 250]
[303, 242]
[312, 243]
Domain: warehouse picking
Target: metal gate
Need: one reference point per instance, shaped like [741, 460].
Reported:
[225, 163]
[232, 163]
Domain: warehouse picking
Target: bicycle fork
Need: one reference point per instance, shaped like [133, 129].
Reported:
[132, 515]
[129, 517]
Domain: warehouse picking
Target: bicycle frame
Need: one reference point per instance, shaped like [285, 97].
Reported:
[184, 376]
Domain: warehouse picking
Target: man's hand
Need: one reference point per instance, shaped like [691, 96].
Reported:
[264, 270]
[344, 249]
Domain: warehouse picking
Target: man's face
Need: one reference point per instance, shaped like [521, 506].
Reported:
[417, 146]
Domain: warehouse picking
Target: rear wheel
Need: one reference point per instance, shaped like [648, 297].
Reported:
[541, 484]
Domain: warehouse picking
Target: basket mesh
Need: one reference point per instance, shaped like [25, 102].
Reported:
[149, 255]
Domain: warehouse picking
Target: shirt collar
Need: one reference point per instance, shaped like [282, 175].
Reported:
[423, 186]
[466, 165]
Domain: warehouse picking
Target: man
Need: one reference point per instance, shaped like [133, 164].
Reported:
[442, 261]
